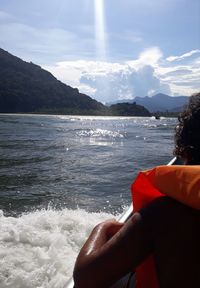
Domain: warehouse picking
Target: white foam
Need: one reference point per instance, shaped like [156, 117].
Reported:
[100, 133]
[39, 249]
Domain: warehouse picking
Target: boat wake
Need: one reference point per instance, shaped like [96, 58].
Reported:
[39, 249]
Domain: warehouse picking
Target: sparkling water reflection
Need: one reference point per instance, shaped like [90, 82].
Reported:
[68, 161]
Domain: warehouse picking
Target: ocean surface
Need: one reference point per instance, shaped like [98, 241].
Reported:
[59, 176]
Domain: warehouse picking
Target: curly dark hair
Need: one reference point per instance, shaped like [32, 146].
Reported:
[187, 132]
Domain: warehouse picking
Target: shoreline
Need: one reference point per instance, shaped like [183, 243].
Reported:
[85, 116]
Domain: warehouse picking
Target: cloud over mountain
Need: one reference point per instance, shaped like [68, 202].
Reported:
[126, 83]
[149, 74]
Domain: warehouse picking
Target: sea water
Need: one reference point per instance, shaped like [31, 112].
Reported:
[60, 176]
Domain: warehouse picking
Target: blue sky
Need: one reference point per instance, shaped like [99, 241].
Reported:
[109, 49]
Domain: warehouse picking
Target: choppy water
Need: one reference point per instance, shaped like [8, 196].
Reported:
[60, 175]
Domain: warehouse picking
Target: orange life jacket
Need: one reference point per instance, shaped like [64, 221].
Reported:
[179, 182]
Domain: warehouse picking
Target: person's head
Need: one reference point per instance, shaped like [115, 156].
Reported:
[187, 135]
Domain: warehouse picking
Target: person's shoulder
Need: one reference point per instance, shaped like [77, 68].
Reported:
[180, 182]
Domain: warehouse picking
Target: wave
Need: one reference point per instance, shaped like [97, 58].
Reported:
[100, 133]
[39, 249]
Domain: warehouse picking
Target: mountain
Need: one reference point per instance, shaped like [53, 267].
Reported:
[159, 102]
[26, 87]
[162, 102]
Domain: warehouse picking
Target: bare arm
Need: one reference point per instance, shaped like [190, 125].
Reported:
[165, 227]
[106, 258]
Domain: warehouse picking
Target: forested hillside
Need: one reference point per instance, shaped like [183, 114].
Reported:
[27, 88]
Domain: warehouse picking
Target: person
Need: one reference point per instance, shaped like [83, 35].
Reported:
[165, 227]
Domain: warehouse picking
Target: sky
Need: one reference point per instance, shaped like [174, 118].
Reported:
[109, 49]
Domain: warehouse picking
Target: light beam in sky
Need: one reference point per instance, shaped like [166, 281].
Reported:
[100, 30]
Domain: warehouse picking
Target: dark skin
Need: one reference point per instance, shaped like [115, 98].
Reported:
[114, 249]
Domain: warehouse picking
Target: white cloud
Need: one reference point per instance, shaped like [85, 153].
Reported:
[178, 58]
[183, 78]
[42, 45]
[183, 90]
[149, 56]
[147, 75]
[73, 72]
[125, 84]
[108, 81]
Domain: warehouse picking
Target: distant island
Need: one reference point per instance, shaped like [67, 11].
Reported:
[27, 88]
